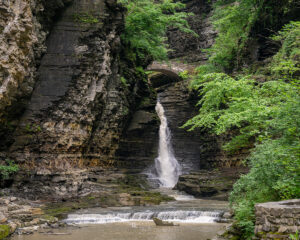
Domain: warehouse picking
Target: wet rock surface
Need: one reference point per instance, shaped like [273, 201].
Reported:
[139, 141]
[79, 105]
[215, 184]
[54, 196]
[189, 47]
[24, 26]
[22, 216]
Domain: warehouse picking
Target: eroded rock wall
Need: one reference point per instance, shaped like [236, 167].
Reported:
[79, 105]
[139, 142]
[24, 25]
[188, 47]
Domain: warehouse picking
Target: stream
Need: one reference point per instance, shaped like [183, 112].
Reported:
[131, 231]
[197, 219]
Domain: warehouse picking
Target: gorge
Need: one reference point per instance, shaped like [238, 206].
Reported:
[92, 125]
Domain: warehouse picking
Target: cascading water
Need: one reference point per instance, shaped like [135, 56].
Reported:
[166, 165]
[177, 216]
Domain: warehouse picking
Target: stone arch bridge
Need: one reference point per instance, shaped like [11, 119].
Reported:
[170, 68]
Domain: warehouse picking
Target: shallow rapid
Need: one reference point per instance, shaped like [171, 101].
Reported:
[197, 218]
[184, 210]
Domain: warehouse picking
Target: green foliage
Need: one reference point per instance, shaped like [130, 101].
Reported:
[140, 70]
[4, 231]
[124, 81]
[268, 112]
[264, 115]
[294, 236]
[8, 169]
[285, 63]
[85, 17]
[184, 74]
[236, 20]
[233, 21]
[147, 22]
[32, 128]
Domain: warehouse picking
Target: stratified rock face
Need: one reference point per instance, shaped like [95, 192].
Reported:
[194, 150]
[190, 47]
[24, 25]
[79, 105]
[215, 183]
[139, 142]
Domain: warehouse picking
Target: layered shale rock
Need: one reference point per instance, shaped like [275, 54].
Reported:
[24, 26]
[215, 183]
[139, 142]
[79, 105]
[189, 47]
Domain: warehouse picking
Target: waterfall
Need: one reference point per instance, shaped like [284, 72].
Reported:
[166, 165]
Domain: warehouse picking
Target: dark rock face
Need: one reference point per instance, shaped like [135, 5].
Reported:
[24, 26]
[187, 46]
[79, 105]
[216, 183]
[139, 142]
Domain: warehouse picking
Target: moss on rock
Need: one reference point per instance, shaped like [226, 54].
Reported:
[4, 231]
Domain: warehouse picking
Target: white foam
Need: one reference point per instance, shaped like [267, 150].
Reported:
[176, 216]
[167, 166]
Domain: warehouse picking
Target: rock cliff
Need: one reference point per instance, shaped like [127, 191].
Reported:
[79, 104]
[24, 26]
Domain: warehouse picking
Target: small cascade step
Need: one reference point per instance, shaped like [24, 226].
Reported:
[185, 216]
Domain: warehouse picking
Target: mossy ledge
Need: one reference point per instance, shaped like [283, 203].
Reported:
[4, 231]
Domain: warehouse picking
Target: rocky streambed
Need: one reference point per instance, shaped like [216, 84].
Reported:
[196, 217]
[22, 216]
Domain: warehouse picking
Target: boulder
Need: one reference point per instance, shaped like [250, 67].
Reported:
[210, 183]
[159, 222]
[3, 219]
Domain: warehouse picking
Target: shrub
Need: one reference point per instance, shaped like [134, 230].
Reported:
[8, 169]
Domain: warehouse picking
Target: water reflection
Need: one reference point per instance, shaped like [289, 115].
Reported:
[131, 231]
